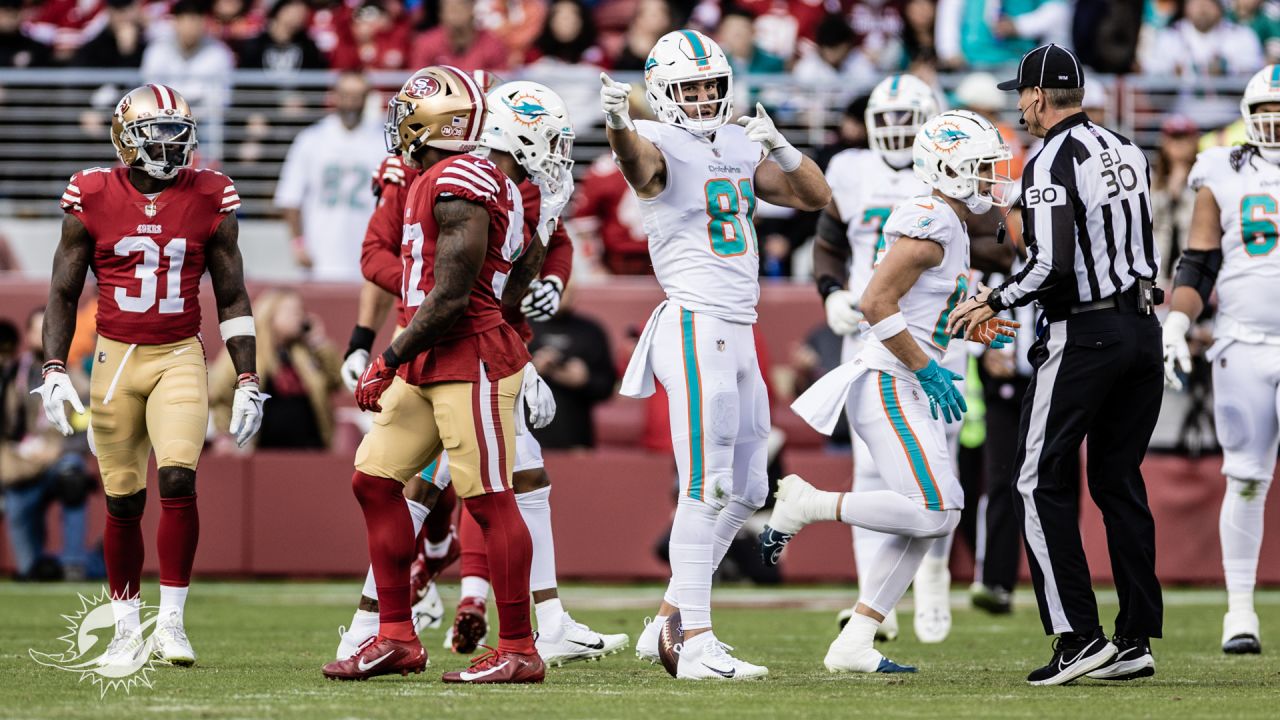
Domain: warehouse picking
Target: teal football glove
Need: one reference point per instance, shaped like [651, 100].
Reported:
[939, 384]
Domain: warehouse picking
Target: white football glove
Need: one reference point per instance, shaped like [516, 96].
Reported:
[1177, 356]
[55, 391]
[552, 205]
[542, 301]
[246, 411]
[842, 313]
[538, 398]
[615, 100]
[762, 130]
[353, 367]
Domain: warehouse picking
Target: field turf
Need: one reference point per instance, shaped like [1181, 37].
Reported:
[261, 646]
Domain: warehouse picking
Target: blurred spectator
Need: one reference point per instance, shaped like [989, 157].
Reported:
[1106, 33]
[518, 23]
[324, 184]
[568, 36]
[916, 43]
[459, 41]
[8, 259]
[1202, 42]
[120, 43]
[985, 34]
[37, 465]
[835, 59]
[736, 36]
[196, 65]
[331, 23]
[652, 20]
[978, 92]
[299, 368]
[818, 355]
[852, 132]
[61, 25]
[17, 49]
[376, 42]
[284, 46]
[235, 21]
[605, 208]
[1171, 199]
[571, 353]
[1263, 18]
[879, 24]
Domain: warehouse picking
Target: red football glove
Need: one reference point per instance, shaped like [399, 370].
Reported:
[375, 380]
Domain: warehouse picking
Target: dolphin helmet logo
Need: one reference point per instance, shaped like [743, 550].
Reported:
[528, 109]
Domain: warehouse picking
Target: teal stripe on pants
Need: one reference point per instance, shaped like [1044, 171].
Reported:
[693, 384]
[919, 466]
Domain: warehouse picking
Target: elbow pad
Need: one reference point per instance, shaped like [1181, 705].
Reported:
[1198, 269]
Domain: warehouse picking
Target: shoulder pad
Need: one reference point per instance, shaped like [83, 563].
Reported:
[82, 185]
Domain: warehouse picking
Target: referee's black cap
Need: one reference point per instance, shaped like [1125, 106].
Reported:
[1048, 66]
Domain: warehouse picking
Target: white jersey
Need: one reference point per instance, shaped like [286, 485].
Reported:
[929, 302]
[326, 176]
[701, 237]
[1249, 283]
[866, 190]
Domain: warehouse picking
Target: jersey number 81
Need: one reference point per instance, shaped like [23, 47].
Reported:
[725, 224]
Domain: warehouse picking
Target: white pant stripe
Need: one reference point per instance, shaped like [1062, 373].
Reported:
[1029, 473]
[492, 472]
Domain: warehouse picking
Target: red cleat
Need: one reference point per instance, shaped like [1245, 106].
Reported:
[500, 667]
[426, 569]
[380, 656]
[470, 625]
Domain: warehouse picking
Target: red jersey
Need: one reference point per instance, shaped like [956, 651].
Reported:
[559, 260]
[606, 198]
[148, 254]
[380, 254]
[480, 335]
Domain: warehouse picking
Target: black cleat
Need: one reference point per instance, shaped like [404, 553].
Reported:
[994, 600]
[1244, 644]
[772, 543]
[1133, 660]
[1073, 656]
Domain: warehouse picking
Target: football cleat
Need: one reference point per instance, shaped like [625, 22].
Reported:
[790, 513]
[994, 600]
[124, 649]
[1240, 634]
[846, 655]
[932, 592]
[428, 611]
[500, 667]
[706, 658]
[888, 630]
[1132, 660]
[170, 642]
[380, 656]
[647, 642]
[470, 626]
[349, 641]
[573, 641]
[1072, 658]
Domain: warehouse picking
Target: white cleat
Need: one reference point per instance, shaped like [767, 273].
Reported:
[647, 643]
[428, 613]
[847, 655]
[573, 642]
[350, 641]
[888, 630]
[706, 658]
[1240, 633]
[171, 643]
[125, 651]
[933, 601]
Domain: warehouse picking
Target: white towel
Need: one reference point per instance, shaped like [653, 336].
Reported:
[822, 403]
[638, 380]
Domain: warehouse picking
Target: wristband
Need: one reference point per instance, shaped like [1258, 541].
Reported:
[889, 327]
[995, 301]
[361, 339]
[787, 157]
[248, 378]
[236, 327]
[618, 122]
[827, 284]
[390, 358]
[52, 366]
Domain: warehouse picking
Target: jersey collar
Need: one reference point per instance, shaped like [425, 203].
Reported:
[1066, 124]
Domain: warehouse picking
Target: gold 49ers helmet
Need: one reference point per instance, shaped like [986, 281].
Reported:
[153, 129]
[440, 107]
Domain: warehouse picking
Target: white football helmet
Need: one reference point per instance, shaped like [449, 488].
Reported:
[687, 56]
[531, 122]
[898, 106]
[960, 154]
[1262, 129]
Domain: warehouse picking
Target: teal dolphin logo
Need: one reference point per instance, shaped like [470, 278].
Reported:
[526, 108]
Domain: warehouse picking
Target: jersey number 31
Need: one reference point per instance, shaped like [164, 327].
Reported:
[148, 270]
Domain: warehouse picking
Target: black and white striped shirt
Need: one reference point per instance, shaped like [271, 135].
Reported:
[1086, 218]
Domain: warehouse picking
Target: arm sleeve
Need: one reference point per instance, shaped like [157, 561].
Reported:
[1050, 230]
[380, 253]
[559, 260]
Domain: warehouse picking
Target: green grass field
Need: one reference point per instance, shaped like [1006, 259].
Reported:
[261, 646]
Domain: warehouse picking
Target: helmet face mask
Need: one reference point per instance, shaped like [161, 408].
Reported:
[962, 155]
[1262, 128]
[153, 130]
[896, 110]
[530, 122]
[676, 82]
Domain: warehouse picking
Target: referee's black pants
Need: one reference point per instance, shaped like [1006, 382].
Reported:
[1098, 375]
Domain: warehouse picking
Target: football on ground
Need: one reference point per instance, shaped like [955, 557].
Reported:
[670, 640]
[261, 645]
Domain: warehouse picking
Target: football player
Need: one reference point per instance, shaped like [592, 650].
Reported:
[451, 379]
[697, 178]
[896, 386]
[866, 186]
[149, 230]
[1231, 246]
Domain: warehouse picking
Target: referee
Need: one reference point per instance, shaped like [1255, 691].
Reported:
[1098, 372]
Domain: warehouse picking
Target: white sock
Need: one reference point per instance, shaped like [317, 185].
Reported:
[669, 595]
[172, 600]
[866, 546]
[126, 613]
[440, 549]
[940, 550]
[535, 508]
[363, 623]
[691, 550]
[418, 513]
[1240, 529]
[892, 572]
[861, 631]
[659, 621]
[885, 511]
[475, 587]
[370, 586]
[550, 615]
[730, 520]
